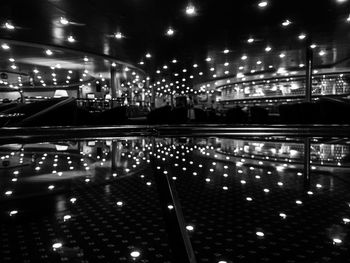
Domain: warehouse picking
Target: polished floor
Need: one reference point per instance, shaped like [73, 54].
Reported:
[243, 200]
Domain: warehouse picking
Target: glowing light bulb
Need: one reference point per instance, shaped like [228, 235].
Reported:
[190, 10]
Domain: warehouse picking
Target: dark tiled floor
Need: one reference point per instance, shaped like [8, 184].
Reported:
[238, 205]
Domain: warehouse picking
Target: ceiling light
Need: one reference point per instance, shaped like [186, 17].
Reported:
[71, 39]
[86, 59]
[48, 52]
[64, 21]
[263, 4]
[226, 51]
[170, 31]
[148, 55]
[118, 35]
[165, 67]
[282, 55]
[244, 57]
[268, 49]
[286, 23]
[341, 1]
[313, 46]
[208, 59]
[302, 36]
[13, 67]
[5, 46]
[322, 53]
[250, 40]
[9, 26]
[174, 61]
[11, 59]
[190, 10]
[195, 65]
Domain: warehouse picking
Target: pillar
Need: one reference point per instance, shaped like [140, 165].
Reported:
[115, 85]
[309, 70]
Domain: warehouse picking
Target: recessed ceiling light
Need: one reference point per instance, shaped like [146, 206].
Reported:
[174, 61]
[302, 36]
[208, 59]
[226, 51]
[268, 49]
[86, 59]
[313, 46]
[48, 52]
[282, 55]
[244, 57]
[5, 46]
[114, 64]
[286, 23]
[195, 65]
[263, 4]
[250, 40]
[11, 59]
[190, 10]
[170, 31]
[148, 55]
[64, 21]
[13, 66]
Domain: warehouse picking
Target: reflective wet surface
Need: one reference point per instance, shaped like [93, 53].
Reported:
[242, 200]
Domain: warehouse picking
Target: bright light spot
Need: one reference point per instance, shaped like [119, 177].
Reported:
[263, 4]
[64, 21]
[190, 10]
[48, 52]
[56, 246]
[5, 46]
[190, 228]
[135, 254]
[260, 234]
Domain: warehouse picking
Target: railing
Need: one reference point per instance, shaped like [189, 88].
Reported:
[286, 88]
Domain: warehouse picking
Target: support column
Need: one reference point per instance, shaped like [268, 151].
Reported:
[115, 85]
[172, 100]
[309, 71]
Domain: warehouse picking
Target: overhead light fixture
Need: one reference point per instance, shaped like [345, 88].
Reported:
[313, 46]
[282, 55]
[322, 53]
[244, 57]
[64, 21]
[148, 55]
[86, 59]
[226, 51]
[208, 59]
[13, 66]
[118, 35]
[190, 10]
[71, 39]
[174, 61]
[286, 23]
[170, 32]
[11, 59]
[114, 64]
[9, 26]
[268, 49]
[48, 52]
[195, 65]
[263, 4]
[302, 36]
[5, 46]
[250, 40]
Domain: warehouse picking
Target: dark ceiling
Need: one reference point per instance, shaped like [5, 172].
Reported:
[217, 25]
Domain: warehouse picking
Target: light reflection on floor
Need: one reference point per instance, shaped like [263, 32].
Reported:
[243, 200]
